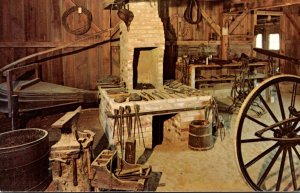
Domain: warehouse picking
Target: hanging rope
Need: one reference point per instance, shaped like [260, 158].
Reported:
[188, 13]
[80, 10]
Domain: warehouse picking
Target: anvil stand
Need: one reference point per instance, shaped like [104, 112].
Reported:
[71, 154]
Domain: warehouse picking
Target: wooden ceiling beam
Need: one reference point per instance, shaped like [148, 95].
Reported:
[260, 4]
[237, 21]
[211, 22]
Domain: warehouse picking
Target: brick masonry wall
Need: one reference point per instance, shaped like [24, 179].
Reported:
[177, 128]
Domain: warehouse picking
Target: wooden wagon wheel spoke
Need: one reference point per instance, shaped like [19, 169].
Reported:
[295, 125]
[280, 101]
[268, 108]
[263, 154]
[281, 170]
[254, 140]
[292, 168]
[293, 96]
[296, 151]
[256, 121]
[265, 144]
[268, 169]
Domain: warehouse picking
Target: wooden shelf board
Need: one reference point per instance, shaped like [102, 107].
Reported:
[225, 65]
[256, 76]
[194, 42]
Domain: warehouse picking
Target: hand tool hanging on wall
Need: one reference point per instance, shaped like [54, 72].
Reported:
[116, 122]
[188, 13]
[120, 130]
[128, 120]
[217, 123]
[130, 144]
[137, 124]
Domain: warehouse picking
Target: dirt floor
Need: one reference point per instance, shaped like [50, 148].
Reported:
[178, 168]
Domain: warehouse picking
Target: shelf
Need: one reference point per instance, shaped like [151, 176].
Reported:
[194, 42]
[256, 76]
[225, 65]
[220, 71]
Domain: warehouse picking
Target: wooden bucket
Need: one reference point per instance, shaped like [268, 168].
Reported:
[24, 160]
[200, 135]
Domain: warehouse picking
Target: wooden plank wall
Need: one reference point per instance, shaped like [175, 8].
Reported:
[290, 38]
[30, 26]
[198, 31]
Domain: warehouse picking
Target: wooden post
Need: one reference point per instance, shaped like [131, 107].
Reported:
[15, 112]
[192, 76]
[75, 181]
[254, 23]
[224, 43]
[283, 33]
[9, 92]
[37, 70]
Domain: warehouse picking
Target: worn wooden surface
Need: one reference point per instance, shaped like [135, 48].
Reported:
[290, 38]
[30, 26]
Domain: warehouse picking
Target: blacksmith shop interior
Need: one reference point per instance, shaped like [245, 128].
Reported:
[149, 95]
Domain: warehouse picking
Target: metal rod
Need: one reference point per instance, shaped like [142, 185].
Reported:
[109, 115]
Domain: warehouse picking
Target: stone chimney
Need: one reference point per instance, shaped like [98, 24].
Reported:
[142, 46]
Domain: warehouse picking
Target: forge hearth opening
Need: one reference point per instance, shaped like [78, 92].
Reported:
[145, 69]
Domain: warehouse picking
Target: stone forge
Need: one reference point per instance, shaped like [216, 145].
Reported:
[141, 61]
[174, 129]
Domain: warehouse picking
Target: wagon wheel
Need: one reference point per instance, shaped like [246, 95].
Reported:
[267, 146]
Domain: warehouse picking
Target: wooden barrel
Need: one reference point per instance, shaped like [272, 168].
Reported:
[200, 135]
[24, 160]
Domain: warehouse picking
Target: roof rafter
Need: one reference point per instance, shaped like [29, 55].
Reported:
[260, 4]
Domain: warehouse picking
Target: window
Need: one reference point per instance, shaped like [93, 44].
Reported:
[274, 42]
[259, 41]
